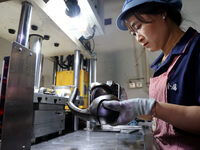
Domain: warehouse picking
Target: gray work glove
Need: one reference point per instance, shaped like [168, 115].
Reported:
[130, 109]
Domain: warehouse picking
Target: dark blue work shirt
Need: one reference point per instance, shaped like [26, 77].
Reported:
[183, 86]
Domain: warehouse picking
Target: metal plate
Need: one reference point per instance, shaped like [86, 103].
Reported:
[47, 107]
[18, 114]
[42, 117]
[86, 140]
[47, 122]
[49, 99]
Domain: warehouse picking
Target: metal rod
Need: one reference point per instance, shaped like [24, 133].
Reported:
[24, 24]
[76, 68]
[55, 69]
[92, 78]
[88, 126]
[35, 44]
[94, 68]
[91, 74]
[76, 79]
[81, 62]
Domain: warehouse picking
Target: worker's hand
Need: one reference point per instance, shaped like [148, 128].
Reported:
[130, 109]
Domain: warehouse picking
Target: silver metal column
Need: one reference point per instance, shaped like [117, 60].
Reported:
[24, 24]
[76, 67]
[94, 68]
[35, 44]
[92, 78]
[76, 79]
[55, 69]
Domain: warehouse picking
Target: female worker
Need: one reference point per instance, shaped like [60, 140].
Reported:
[174, 102]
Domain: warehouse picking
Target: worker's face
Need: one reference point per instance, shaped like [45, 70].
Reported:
[151, 35]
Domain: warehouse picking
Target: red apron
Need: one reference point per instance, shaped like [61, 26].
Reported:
[164, 133]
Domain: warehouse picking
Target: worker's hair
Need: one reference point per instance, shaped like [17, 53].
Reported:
[154, 8]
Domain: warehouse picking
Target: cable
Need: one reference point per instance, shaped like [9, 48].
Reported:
[92, 50]
[60, 64]
[93, 33]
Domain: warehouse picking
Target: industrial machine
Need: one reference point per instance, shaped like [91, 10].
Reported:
[99, 93]
[27, 112]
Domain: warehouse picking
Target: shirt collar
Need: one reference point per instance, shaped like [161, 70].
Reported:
[177, 50]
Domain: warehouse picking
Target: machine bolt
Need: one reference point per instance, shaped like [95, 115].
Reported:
[20, 49]
[23, 147]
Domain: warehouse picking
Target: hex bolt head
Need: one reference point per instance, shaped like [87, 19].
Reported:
[20, 49]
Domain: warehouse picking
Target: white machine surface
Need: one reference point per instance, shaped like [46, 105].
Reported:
[50, 18]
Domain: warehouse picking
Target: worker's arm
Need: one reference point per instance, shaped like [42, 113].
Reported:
[186, 118]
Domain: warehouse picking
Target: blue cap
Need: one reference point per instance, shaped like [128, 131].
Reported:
[132, 3]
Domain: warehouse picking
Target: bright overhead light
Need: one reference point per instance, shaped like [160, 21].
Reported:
[74, 27]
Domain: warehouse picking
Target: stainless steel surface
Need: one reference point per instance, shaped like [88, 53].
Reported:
[48, 121]
[2, 72]
[35, 44]
[24, 24]
[49, 115]
[47, 107]
[87, 140]
[48, 99]
[120, 128]
[18, 114]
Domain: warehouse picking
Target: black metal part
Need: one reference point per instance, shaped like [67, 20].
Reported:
[34, 27]
[46, 1]
[56, 44]
[46, 37]
[86, 43]
[11, 31]
[73, 8]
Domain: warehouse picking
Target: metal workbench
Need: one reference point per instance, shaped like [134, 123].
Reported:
[99, 140]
